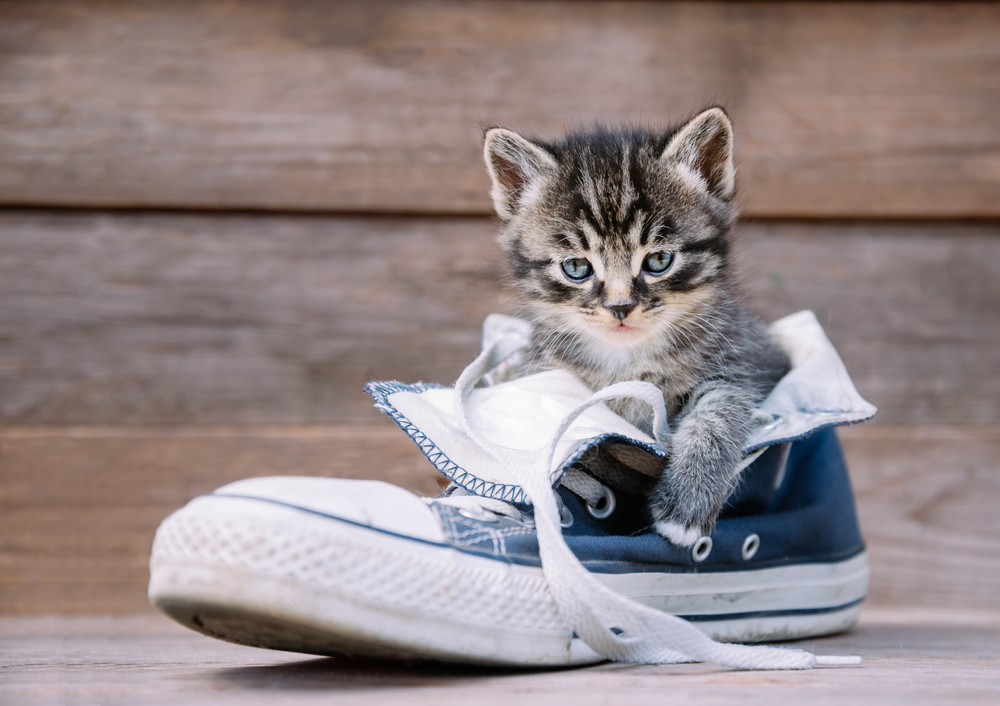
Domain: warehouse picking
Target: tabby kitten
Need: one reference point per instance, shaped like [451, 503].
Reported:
[618, 241]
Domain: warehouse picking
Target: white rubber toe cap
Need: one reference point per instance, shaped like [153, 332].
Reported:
[372, 503]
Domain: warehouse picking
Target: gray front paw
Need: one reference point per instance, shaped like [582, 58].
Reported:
[676, 533]
[706, 448]
[685, 512]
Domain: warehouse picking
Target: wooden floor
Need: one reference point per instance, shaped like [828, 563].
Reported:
[910, 656]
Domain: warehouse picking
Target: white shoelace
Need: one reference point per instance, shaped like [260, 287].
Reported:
[649, 636]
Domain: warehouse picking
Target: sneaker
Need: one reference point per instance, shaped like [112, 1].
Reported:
[481, 575]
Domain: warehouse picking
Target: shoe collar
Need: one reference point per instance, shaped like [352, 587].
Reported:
[519, 418]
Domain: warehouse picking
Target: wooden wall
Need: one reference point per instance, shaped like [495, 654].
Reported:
[219, 219]
[843, 109]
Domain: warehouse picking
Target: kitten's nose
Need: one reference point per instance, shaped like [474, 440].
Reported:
[620, 310]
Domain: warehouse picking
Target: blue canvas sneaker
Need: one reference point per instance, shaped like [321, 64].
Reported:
[541, 551]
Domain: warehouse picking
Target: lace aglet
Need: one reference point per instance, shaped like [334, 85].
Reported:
[839, 660]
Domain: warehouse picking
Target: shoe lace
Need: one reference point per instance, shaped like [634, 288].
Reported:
[588, 488]
[647, 635]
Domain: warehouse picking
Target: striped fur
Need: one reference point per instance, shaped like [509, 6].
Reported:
[612, 198]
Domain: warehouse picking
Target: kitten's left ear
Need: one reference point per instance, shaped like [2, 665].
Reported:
[705, 145]
[514, 164]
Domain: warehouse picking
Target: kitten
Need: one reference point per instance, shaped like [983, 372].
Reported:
[618, 241]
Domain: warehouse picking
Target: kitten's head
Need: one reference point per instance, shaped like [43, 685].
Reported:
[617, 237]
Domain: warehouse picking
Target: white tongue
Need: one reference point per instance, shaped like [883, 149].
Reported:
[516, 420]
[529, 428]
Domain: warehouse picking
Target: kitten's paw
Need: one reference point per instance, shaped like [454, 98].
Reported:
[683, 515]
[677, 534]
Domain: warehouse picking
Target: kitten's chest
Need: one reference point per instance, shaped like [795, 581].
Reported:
[675, 374]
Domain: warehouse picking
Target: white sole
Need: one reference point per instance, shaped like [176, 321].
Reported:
[268, 575]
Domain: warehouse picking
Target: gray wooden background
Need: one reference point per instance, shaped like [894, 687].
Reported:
[219, 219]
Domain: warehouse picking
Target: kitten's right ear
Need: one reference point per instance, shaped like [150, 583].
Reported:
[705, 146]
[514, 164]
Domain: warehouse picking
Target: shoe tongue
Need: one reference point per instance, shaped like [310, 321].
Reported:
[516, 419]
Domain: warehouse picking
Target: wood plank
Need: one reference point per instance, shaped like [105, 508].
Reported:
[910, 657]
[146, 319]
[78, 507]
[150, 319]
[841, 109]
[926, 498]
[913, 309]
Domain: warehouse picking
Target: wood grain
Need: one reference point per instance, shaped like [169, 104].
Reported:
[841, 109]
[111, 319]
[79, 506]
[145, 319]
[927, 499]
[910, 657]
[913, 309]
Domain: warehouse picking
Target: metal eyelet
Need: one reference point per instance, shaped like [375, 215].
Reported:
[565, 517]
[701, 549]
[481, 515]
[750, 546]
[605, 507]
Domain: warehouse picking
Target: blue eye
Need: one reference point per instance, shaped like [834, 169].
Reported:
[577, 269]
[658, 262]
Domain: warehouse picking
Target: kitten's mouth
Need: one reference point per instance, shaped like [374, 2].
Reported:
[618, 333]
[620, 330]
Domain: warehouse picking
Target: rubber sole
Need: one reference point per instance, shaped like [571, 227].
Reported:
[268, 575]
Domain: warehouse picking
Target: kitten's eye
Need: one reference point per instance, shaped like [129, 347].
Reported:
[658, 262]
[577, 269]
